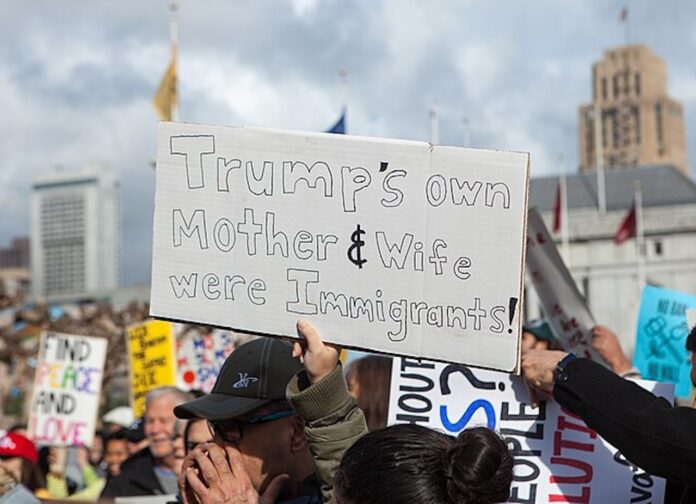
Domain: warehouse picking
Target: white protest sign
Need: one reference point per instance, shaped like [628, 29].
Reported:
[394, 246]
[557, 457]
[67, 387]
[564, 306]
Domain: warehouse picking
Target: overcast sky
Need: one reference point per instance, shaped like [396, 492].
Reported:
[77, 79]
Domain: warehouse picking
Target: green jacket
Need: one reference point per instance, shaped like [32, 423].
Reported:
[333, 422]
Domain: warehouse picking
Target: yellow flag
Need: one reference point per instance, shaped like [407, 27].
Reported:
[166, 96]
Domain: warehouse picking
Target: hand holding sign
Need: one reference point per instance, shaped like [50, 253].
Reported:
[318, 359]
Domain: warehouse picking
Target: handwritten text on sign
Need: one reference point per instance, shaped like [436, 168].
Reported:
[67, 385]
[151, 351]
[557, 457]
[388, 245]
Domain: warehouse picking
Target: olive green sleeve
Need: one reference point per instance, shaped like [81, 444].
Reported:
[333, 421]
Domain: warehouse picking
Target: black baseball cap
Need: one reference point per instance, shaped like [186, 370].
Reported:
[253, 375]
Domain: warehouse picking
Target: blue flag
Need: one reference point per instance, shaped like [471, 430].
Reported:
[340, 126]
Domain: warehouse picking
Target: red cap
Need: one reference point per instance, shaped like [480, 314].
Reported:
[16, 445]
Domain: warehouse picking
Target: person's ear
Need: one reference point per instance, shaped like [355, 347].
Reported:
[298, 441]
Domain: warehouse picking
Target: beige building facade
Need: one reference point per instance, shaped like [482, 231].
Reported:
[640, 124]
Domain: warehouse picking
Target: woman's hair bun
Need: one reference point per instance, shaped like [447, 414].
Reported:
[478, 467]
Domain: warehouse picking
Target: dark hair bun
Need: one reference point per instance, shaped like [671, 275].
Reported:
[478, 467]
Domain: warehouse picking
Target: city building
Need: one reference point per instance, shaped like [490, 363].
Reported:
[640, 124]
[16, 255]
[607, 274]
[75, 232]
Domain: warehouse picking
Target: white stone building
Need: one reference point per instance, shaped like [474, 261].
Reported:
[607, 274]
[75, 227]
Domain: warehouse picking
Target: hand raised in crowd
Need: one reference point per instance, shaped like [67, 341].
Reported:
[215, 475]
[607, 344]
[539, 370]
[319, 359]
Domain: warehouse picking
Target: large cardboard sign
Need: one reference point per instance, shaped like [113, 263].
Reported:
[67, 386]
[557, 457]
[564, 306]
[660, 352]
[151, 350]
[394, 246]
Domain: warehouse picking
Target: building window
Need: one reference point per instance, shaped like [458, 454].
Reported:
[604, 88]
[657, 247]
[636, 123]
[615, 85]
[637, 84]
[658, 123]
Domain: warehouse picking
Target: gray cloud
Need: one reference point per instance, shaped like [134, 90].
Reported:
[77, 78]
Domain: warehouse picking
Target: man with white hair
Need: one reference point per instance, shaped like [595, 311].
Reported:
[152, 470]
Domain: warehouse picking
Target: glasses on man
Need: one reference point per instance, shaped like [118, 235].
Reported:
[232, 430]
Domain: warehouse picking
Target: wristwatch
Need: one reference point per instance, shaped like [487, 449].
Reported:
[561, 374]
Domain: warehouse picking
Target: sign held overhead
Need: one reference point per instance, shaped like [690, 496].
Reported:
[394, 246]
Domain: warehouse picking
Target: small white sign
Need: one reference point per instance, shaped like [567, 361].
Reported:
[564, 306]
[394, 246]
[67, 388]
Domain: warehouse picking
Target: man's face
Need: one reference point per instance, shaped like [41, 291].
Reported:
[115, 453]
[265, 448]
[159, 426]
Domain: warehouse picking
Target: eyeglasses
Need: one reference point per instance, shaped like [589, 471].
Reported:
[231, 430]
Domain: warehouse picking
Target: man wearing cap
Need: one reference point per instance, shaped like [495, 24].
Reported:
[247, 409]
[152, 470]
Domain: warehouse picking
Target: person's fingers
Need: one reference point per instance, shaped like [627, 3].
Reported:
[207, 469]
[533, 399]
[270, 495]
[237, 465]
[218, 457]
[297, 349]
[194, 481]
[310, 333]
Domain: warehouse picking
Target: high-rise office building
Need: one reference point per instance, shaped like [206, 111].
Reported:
[75, 231]
[16, 255]
[640, 124]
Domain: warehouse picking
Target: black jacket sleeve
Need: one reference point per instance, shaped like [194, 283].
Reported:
[652, 434]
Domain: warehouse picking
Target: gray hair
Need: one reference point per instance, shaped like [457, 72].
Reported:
[180, 396]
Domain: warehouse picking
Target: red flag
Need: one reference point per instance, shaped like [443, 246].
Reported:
[627, 229]
[623, 16]
[557, 210]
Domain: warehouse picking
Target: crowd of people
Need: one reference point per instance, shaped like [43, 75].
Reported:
[285, 423]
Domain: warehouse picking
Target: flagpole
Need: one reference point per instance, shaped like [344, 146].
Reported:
[343, 76]
[640, 235]
[565, 231]
[599, 160]
[174, 41]
[466, 133]
[434, 125]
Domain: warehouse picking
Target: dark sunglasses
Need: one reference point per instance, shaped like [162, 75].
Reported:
[232, 430]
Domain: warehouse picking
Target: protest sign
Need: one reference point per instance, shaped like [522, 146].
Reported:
[67, 385]
[660, 352]
[557, 457]
[199, 357]
[395, 246]
[152, 360]
[565, 308]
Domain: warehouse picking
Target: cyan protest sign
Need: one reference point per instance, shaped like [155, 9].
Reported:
[661, 340]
